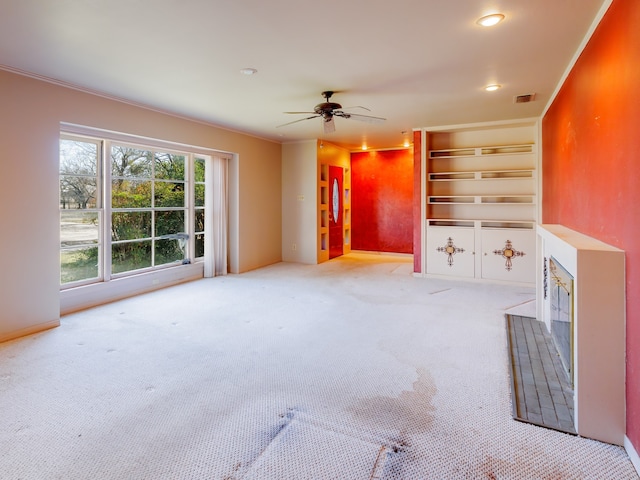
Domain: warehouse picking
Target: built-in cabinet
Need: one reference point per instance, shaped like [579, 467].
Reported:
[480, 202]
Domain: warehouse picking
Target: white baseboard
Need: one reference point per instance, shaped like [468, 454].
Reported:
[30, 330]
[633, 454]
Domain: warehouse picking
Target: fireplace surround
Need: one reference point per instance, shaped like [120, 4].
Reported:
[597, 306]
[560, 283]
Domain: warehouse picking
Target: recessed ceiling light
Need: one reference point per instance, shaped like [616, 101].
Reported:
[406, 142]
[492, 88]
[490, 20]
[248, 71]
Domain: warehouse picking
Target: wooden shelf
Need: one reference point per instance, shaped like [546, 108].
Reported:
[451, 176]
[507, 224]
[508, 199]
[452, 200]
[480, 175]
[506, 174]
[481, 151]
[482, 200]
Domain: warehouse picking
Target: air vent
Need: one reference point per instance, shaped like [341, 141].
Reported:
[529, 97]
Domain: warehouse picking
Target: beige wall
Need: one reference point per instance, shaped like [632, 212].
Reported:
[299, 202]
[32, 111]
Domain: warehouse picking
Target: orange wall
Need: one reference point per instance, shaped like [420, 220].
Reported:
[382, 201]
[591, 161]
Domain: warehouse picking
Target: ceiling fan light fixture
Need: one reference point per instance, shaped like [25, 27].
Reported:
[493, 87]
[490, 20]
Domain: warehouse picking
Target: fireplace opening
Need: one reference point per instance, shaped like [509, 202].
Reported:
[561, 296]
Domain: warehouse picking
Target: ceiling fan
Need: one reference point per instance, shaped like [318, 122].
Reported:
[328, 110]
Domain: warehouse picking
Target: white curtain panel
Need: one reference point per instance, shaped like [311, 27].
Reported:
[217, 216]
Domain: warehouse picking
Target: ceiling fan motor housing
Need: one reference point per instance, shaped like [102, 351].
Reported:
[326, 109]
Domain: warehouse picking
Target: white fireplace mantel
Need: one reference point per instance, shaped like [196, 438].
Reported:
[598, 270]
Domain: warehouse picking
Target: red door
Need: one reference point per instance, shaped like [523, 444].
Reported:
[336, 239]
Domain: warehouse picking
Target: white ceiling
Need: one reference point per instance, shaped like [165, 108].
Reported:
[418, 63]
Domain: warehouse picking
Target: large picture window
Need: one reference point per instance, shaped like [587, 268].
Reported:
[127, 208]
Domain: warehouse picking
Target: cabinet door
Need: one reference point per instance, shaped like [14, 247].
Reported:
[509, 254]
[450, 251]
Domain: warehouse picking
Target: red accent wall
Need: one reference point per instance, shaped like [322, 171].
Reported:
[382, 201]
[591, 161]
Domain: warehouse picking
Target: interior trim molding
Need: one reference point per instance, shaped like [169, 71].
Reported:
[633, 454]
[596, 21]
[74, 129]
[23, 332]
[115, 98]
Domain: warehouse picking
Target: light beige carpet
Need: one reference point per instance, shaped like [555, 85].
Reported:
[353, 369]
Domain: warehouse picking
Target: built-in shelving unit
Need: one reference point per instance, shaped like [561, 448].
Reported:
[323, 211]
[346, 224]
[328, 156]
[480, 202]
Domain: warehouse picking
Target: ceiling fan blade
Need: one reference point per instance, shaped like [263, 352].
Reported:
[328, 110]
[329, 126]
[358, 106]
[360, 118]
[299, 120]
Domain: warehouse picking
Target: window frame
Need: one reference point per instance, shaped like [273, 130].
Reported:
[106, 210]
[196, 207]
[99, 208]
[153, 209]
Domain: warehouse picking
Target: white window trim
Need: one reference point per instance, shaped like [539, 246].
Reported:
[72, 128]
[114, 288]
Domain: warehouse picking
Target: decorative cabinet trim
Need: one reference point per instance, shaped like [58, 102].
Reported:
[508, 253]
[450, 250]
